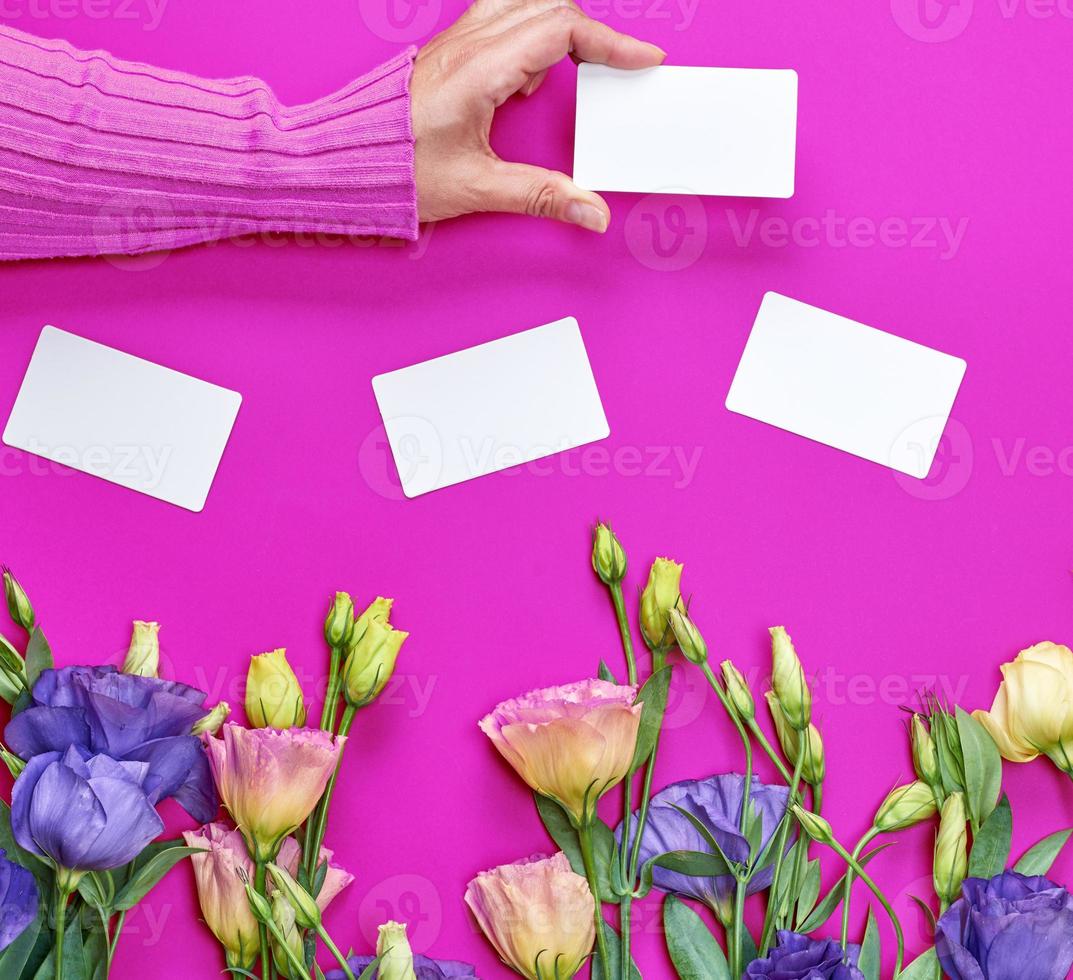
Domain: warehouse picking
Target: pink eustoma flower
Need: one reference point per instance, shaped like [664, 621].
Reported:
[570, 743]
[538, 914]
[221, 890]
[270, 780]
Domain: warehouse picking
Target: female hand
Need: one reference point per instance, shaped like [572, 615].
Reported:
[497, 49]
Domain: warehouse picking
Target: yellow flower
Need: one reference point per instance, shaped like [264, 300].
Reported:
[393, 948]
[1033, 710]
[951, 863]
[906, 806]
[788, 680]
[143, 656]
[371, 659]
[660, 596]
[273, 694]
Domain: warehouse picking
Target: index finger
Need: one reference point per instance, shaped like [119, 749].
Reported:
[547, 38]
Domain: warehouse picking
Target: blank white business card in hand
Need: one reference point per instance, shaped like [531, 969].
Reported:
[122, 418]
[728, 132]
[488, 408]
[847, 385]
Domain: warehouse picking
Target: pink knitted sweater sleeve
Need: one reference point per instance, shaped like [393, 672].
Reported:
[102, 156]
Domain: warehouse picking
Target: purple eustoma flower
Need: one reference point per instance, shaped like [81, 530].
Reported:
[797, 957]
[716, 803]
[126, 717]
[424, 969]
[1007, 928]
[85, 812]
[18, 900]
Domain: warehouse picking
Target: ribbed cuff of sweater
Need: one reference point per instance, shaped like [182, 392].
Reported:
[103, 156]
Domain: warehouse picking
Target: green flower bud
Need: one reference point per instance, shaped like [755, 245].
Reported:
[283, 917]
[608, 558]
[925, 757]
[213, 721]
[371, 662]
[738, 691]
[688, 637]
[788, 680]
[396, 957]
[306, 912]
[340, 620]
[660, 596]
[14, 764]
[143, 655]
[951, 864]
[906, 806]
[259, 905]
[814, 764]
[18, 602]
[814, 825]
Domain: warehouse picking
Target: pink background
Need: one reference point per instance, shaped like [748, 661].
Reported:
[887, 586]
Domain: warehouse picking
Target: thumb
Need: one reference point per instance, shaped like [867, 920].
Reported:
[518, 188]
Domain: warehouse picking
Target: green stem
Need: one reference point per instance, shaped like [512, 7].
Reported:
[737, 949]
[331, 695]
[114, 941]
[851, 861]
[769, 750]
[61, 917]
[772, 913]
[585, 839]
[626, 901]
[659, 660]
[334, 950]
[847, 887]
[292, 957]
[267, 966]
[318, 822]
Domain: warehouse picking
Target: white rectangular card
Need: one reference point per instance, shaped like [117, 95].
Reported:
[491, 407]
[729, 132]
[124, 419]
[847, 385]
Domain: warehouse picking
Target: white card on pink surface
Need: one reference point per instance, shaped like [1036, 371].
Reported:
[122, 418]
[729, 132]
[847, 385]
[488, 408]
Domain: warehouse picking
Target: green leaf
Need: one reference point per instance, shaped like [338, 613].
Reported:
[810, 891]
[822, 912]
[693, 949]
[654, 697]
[870, 953]
[604, 673]
[983, 768]
[924, 967]
[705, 832]
[614, 956]
[558, 825]
[370, 971]
[695, 864]
[1037, 860]
[991, 846]
[38, 656]
[146, 876]
[14, 958]
[74, 964]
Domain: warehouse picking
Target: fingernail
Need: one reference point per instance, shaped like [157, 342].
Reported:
[587, 216]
